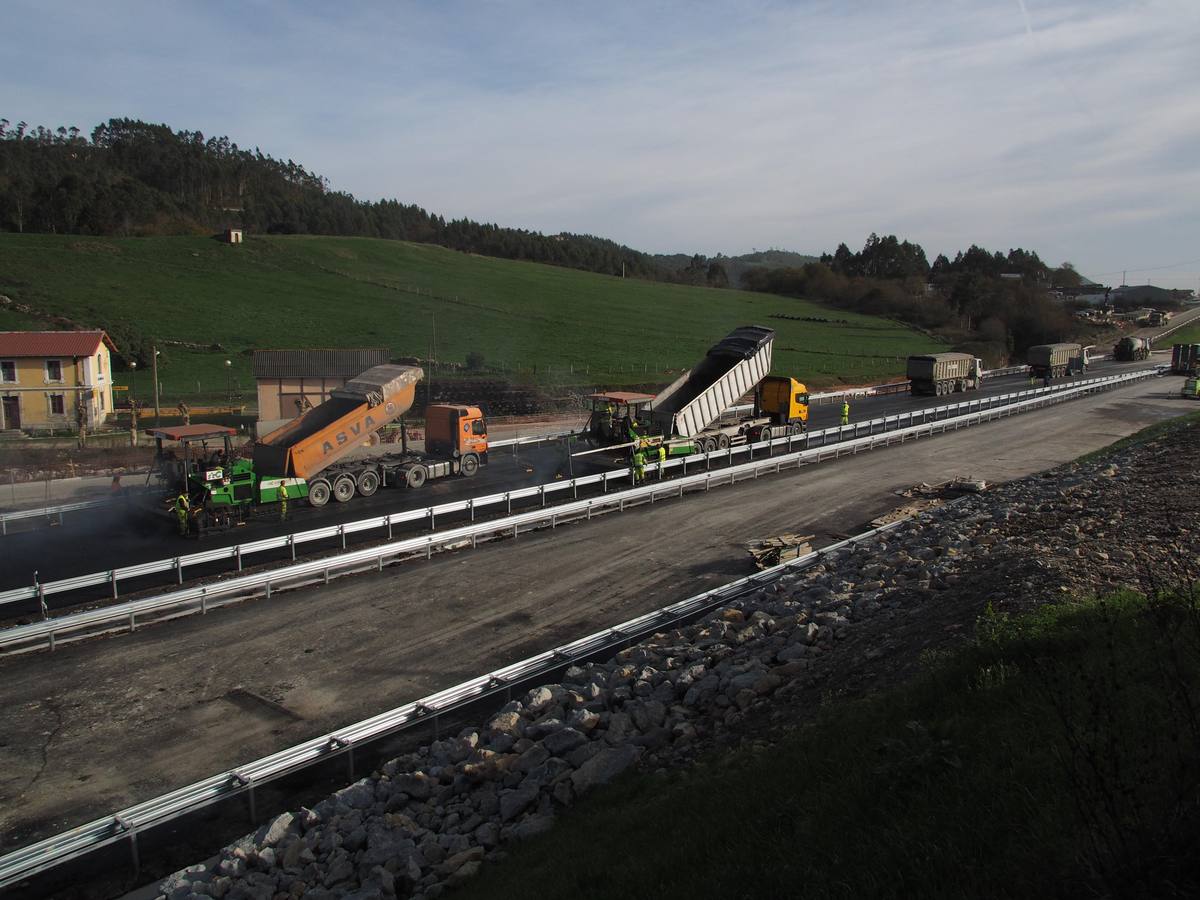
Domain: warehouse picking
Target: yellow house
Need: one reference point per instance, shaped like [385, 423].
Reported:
[55, 380]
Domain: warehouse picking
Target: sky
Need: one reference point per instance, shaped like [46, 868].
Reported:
[1071, 128]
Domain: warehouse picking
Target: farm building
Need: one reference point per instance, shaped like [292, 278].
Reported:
[290, 381]
[55, 380]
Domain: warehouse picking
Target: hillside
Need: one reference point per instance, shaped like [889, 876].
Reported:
[530, 322]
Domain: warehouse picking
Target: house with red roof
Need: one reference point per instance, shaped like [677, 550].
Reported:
[55, 380]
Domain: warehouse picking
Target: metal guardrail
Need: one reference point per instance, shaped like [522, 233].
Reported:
[128, 823]
[430, 515]
[48, 512]
[202, 598]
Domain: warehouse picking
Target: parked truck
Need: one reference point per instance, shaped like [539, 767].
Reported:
[1056, 360]
[1129, 349]
[702, 410]
[311, 456]
[944, 373]
[1185, 359]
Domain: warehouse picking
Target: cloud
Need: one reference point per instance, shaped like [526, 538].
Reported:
[1068, 127]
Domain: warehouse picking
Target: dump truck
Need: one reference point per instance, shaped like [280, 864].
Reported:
[1056, 360]
[699, 411]
[1185, 359]
[310, 457]
[1129, 349]
[944, 373]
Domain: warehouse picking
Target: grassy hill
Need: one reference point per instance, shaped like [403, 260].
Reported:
[530, 322]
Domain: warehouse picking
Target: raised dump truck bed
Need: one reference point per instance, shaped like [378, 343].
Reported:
[308, 445]
[1129, 349]
[730, 370]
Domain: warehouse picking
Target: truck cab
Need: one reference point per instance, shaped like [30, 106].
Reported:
[785, 400]
[456, 431]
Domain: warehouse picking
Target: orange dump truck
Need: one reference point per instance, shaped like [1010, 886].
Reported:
[316, 447]
[312, 456]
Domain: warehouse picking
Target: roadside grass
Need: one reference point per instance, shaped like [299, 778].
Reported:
[1147, 434]
[1058, 755]
[529, 322]
[1189, 335]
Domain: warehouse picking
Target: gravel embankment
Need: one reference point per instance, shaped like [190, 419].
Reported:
[855, 623]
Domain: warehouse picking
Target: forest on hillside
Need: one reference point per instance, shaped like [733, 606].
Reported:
[132, 178]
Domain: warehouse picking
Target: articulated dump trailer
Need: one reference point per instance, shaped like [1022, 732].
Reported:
[1056, 360]
[1131, 349]
[696, 412]
[312, 456]
[944, 373]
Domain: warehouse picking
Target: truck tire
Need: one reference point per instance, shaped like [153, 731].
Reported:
[367, 482]
[469, 465]
[343, 487]
[318, 492]
[709, 444]
[765, 434]
[416, 476]
[722, 441]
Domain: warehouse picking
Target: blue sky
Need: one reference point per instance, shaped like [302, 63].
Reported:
[1070, 128]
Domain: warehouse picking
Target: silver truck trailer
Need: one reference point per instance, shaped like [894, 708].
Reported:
[944, 373]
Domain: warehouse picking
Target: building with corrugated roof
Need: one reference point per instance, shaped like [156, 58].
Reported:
[55, 380]
[289, 381]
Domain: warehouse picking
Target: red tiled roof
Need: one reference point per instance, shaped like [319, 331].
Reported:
[51, 343]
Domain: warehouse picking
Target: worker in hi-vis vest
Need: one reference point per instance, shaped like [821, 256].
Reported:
[845, 412]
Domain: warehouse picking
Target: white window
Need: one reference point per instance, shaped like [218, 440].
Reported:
[54, 370]
[8, 371]
[58, 405]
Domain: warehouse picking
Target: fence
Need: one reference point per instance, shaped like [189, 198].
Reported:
[200, 599]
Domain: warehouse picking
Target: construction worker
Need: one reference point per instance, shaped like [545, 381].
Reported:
[282, 501]
[185, 412]
[639, 466]
[846, 412]
[183, 506]
[606, 421]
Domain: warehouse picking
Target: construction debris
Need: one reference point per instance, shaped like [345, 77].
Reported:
[928, 496]
[773, 551]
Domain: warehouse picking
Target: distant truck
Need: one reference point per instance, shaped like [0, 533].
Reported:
[1185, 359]
[309, 457]
[1129, 349]
[944, 373]
[699, 411]
[1056, 360]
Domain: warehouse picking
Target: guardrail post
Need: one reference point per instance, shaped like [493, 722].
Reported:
[237, 553]
[342, 535]
[542, 494]
[387, 520]
[508, 501]
[292, 545]
[132, 621]
[131, 830]
[429, 548]
[179, 570]
[41, 591]
[471, 508]
[203, 601]
[112, 579]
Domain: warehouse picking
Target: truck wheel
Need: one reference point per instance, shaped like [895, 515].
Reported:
[469, 465]
[416, 476]
[367, 482]
[722, 441]
[318, 492]
[343, 488]
[709, 444]
[766, 434]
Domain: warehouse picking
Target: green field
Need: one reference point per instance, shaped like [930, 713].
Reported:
[530, 322]
[1189, 335]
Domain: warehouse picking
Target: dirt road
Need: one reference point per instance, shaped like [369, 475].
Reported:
[100, 725]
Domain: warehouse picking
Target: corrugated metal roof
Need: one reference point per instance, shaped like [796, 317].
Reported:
[51, 343]
[317, 363]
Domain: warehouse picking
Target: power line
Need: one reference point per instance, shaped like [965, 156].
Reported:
[1189, 262]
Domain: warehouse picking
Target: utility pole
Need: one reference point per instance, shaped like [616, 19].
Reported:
[154, 375]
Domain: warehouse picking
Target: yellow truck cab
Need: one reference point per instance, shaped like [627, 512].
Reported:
[784, 399]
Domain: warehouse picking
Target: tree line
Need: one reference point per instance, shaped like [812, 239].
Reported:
[133, 178]
[989, 303]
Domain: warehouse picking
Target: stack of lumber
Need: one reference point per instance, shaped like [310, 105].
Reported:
[773, 551]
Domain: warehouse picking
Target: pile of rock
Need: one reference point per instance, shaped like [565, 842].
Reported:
[428, 820]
